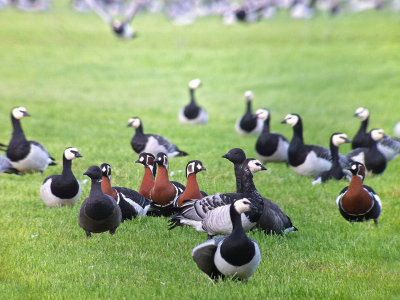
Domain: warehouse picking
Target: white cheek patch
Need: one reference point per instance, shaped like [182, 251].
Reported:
[190, 168]
[199, 166]
[69, 154]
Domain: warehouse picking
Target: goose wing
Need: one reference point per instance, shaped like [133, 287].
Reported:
[321, 152]
[390, 147]
[165, 143]
[44, 150]
[133, 196]
[203, 256]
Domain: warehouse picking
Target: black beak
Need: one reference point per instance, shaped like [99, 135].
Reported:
[26, 114]
[347, 140]
[283, 122]
[77, 154]
[263, 168]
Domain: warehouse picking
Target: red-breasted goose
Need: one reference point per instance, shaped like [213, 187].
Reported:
[131, 203]
[99, 212]
[192, 189]
[235, 256]
[192, 113]
[150, 170]
[151, 143]
[164, 192]
[64, 189]
[358, 202]
[25, 156]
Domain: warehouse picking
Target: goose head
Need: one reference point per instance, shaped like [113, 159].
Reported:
[194, 83]
[162, 160]
[357, 169]
[248, 95]
[339, 138]
[362, 113]
[71, 153]
[291, 119]
[262, 113]
[106, 170]
[235, 155]
[194, 167]
[377, 134]
[19, 113]
[253, 165]
[146, 159]
[243, 205]
[134, 122]
[94, 173]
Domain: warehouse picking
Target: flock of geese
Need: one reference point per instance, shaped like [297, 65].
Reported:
[233, 255]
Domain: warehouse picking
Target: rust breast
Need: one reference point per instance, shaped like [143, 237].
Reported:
[164, 191]
[147, 183]
[192, 190]
[356, 200]
[107, 189]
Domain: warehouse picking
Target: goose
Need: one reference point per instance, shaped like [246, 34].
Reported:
[192, 189]
[236, 255]
[131, 203]
[373, 159]
[336, 170]
[151, 143]
[272, 219]
[6, 167]
[64, 189]
[270, 147]
[307, 160]
[150, 170]
[164, 192]
[192, 113]
[358, 202]
[389, 147]
[26, 156]
[211, 214]
[99, 212]
[249, 123]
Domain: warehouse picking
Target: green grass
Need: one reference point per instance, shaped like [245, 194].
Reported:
[81, 85]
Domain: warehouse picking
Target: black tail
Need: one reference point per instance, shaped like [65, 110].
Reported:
[182, 153]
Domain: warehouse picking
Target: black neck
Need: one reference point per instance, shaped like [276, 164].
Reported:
[364, 125]
[248, 107]
[237, 230]
[334, 153]
[95, 189]
[67, 167]
[238, 175]
[17, 129]
[139, 130]
[266, 125]
[298, 131]
[192, 99]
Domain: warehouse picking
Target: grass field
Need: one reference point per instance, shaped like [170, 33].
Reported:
[81, 85]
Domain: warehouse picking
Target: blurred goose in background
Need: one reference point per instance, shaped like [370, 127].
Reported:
[99, 212]
[64, 189]
[151, 143]
[26, 156]
[192, 113]
[336, 170]
[235, 255]
[371, 156]
[388, 146]
[307, 160]
[131, 203]
[249, 123]
[270, 147]
[358, 202]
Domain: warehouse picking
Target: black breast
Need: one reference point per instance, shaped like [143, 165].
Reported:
[248, 122]
[64, 188]
[191, 111]
[238, 252]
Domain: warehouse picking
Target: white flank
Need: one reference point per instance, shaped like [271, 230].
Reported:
[37, 161]
[244, 271]
[202, 118]
[51, 200]
[136, 206]
[312, 166]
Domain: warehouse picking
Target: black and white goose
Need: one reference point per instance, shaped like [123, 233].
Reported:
[272, 219]
[249, 123]
[236, 255]
[131, 203]
[307, 160]
[99, 212]
[358, 202]
[336, 170]
[370, 156]
[64, 189]
[211, 214]
[270, 147]
[151, 143]
[192, 113]
[389, 147]
[26, 156]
